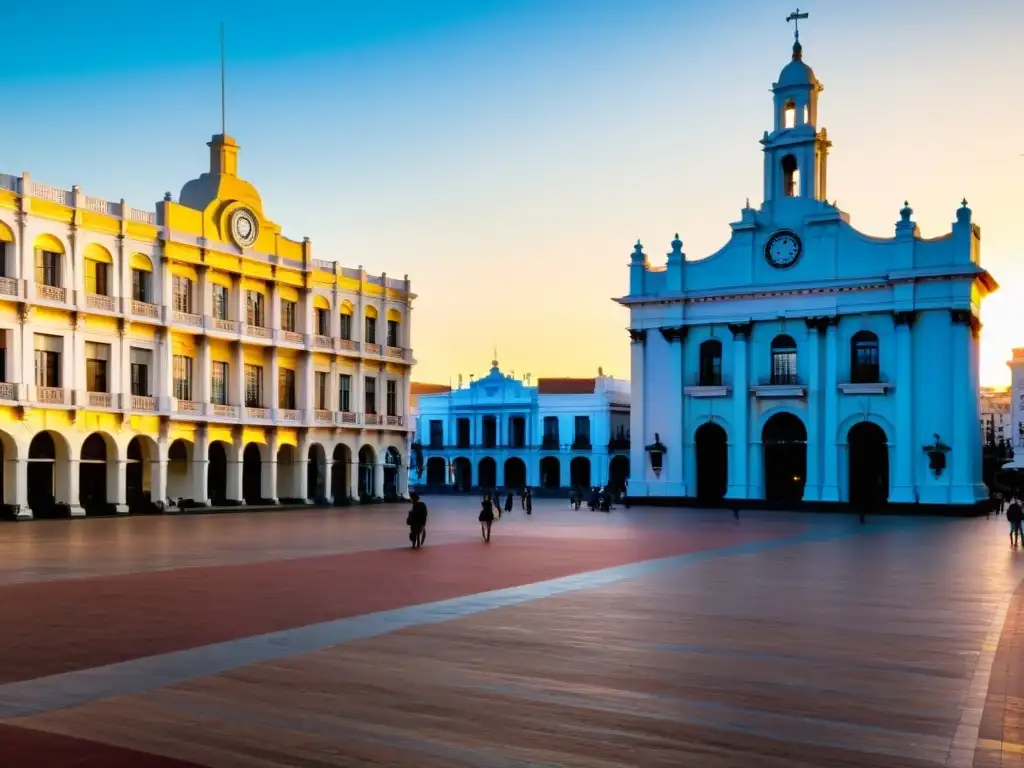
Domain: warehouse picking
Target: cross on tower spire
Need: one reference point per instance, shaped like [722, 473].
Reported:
[795, 18]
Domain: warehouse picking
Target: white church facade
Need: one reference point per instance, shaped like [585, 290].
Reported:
[806, 361]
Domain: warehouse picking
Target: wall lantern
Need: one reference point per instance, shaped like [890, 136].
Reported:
[657, 453]
[937, 455]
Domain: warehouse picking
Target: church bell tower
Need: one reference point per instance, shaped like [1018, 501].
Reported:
[795, 152]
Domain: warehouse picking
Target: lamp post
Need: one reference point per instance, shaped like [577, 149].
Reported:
[656, 451]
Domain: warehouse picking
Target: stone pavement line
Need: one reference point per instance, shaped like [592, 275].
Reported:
[71, 689]
[965, 739]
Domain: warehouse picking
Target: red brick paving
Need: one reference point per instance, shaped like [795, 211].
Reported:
[26, 748]
[60, 626]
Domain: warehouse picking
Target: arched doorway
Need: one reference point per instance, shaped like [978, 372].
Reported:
[136, 475]
[784, 440]
[712, 462]
[179, 471]
[579, 472]
[92, 475]
[436, 471]
[486, 473]
[618, 473]
[868, 465]
[462, 473]
[252, 474]
[287, 469]
[515, 473]
[367, 469]
[550, 473]
[342, 458]
[392, 466]
[42, 476]
[316, 474]
[217, 474]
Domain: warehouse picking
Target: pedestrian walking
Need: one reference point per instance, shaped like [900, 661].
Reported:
[508, 503]
[528, 498]
[417, 521]
[486, 518]
[1015, 516]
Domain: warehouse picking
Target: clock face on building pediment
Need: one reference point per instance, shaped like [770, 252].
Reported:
[783, 249]
[244, 227]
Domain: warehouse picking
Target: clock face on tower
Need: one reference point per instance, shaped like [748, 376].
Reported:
[244, 227]
[783, 249]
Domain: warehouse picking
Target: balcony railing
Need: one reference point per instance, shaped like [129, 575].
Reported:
[581, 444]
[371, 349]
[99, 399]
[783, 380]
[394, 421]
[51, 395]
[223, 411]
[145, 309]
[289, 414]
[347, 344]
[396, 352]
[322, 417]
[186, 318]
[618, 444]
[188, 406]
[51, 292]
[8, 390]
[257, 413]
[346, 417]
[258, 332]
[143, 403]
[8, 286]
[98, 301]
[325, 342]
[218, 324]
[291, 337]
[549, 443]
[371, 419]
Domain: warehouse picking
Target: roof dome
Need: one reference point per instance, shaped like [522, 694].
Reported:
[796, 72]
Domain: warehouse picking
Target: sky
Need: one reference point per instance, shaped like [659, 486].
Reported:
[507, 155]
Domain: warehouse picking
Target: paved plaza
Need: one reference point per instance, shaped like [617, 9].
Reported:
[642, 637]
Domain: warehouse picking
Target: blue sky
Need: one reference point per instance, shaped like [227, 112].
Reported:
[507, 154]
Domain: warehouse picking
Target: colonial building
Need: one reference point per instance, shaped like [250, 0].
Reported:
[806, 360]
[501, 432]
[190, 352]
[996, 423]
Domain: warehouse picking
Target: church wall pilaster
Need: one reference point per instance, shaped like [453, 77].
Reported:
[638, 465]
[739, 440]
[815, 439]
[903, 489]
[830, 475]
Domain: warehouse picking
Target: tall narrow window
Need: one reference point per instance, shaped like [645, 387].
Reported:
[5, 251]
[48, 268]
[181, 287]
[370, 395]
[550, 439]
[582, 438]
[219, 301]
[140, 285]
[287, 315]
[864, 358]
[219, 382]
[789, 114]
[181, 367]
[323, 322]
[97, 358]
[392, 397]
[346, 326]
[710, 374]
[254, 386]
[97, 276]
[254, 309]
[320, 391]
[436, 433]
[783, 360]
[286, 389]
[790, 177]
[463, 432]
[370, 337]
[48, 351]
[345, 392]
[393, 334]
[141, 362]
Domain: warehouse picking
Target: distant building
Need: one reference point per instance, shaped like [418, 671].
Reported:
[996, 422]
[501, 432]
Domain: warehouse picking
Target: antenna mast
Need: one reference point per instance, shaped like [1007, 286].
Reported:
[223, 110]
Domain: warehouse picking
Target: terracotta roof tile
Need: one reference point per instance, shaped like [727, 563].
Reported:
[566, 386]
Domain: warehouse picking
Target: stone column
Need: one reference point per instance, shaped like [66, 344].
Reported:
[165, 367]
[739, 487]
[965, 396]
[675, 459]
[234, 474]
[274, 385]
[812, 486]
[903, 485]
[201, 390]
[830, 451]
[301, 482]
[200, 466]
[236, 378]
[158, 480]
[378, 478]
[119, 491]
[353, 477]
[638, 462]
[305, 394]
[268, 488]
[69, 492]
[21, 489]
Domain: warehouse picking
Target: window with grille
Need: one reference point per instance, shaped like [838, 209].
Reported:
[371, 330]
[140, 360]
[320, 391]
[97, 275]
[582, 438]
[346, 327]
[254, 309]
[181, 288]
[219, 382]
[96, 363]
[254, 386]
[181, 367]
[48, 268]
[864, 358]
[140, 285]
[392, 397]
[393, 333]
[286, 388]
[783, 360]
[345, 393]
[710, 374]
[287, 315]
[370, 395]
[323, 322]
[219, 301]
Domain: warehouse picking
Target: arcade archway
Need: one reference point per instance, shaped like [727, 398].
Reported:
[316, 474]
[92, 475]
[217, 474]
[712, 462]
[784, 440]
[550, 473]
[341, 461]
[392, 468]
[437, 473]
[462, 473]
[618, 473]
[252, 474]
[515, 473]
[868, 465]
[367, 469]
[487, 473]
[579, 472]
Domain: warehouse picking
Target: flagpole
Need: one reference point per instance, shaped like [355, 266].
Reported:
[223, 110]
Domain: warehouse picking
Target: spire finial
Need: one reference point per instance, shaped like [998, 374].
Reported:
[494, 362]
[795, 18]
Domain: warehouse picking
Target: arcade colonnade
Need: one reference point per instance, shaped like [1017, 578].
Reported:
[76, 472]
[545, 471]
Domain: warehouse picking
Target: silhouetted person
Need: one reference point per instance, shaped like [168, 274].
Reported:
[736, 513]
[486, 518]
[508, 502]
[528, 501]
[1015, 516]
[417, 521]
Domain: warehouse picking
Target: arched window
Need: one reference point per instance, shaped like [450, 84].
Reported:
[783, 360]
[790, 177]
[864, 358]
[807, 114]
[710, 363]
[789, 114]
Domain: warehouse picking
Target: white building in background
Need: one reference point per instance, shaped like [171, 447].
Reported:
[805, 360]
[501, 432]
[996, 424]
